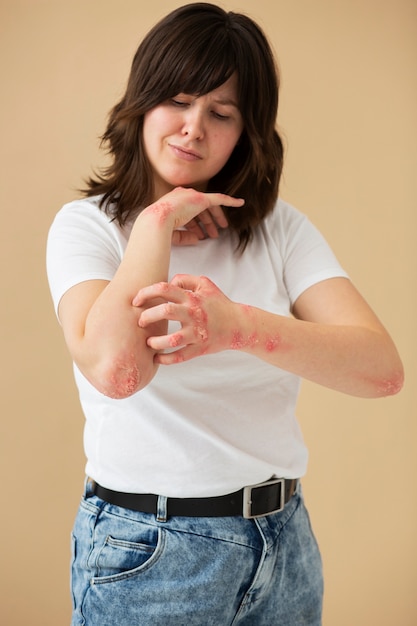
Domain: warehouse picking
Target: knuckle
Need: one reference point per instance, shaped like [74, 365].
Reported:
[175, 340]
[168, 308]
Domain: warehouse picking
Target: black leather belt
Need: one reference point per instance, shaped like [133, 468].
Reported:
[253, 501]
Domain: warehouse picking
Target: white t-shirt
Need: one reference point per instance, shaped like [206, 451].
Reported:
[216, 423]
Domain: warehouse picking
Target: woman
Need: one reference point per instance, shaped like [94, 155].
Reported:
[181, 255]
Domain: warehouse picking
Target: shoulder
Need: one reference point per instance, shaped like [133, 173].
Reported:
[83, 244]
[286, 225]
[85, 220]
[284, 217]
[87, 209]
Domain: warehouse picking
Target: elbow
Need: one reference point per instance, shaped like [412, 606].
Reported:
[391, 385]
[122, 382]
[390, 382]
[394, 382]
[390, 379]
[122, 378]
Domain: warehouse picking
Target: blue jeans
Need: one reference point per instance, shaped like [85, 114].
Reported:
[132, 569]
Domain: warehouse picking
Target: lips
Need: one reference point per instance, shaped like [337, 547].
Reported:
[185, 153]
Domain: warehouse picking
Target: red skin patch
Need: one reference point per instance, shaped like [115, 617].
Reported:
[385, 387]
[239, 342]
[124, 383]
[253, 340]
[179, 359]
[162, 210]
[390, 387]
[272, 343]
[199, 317]
[175, 340]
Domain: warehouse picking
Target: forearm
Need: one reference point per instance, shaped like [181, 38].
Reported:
[101, 325]
[356, 360]
[111, 350]
[340, 344]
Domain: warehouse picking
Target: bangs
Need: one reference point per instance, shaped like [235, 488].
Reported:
[194, 50]
[201, 70]
[190, 58]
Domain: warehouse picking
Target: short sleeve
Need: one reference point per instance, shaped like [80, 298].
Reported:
[83, 244]
[307, 257]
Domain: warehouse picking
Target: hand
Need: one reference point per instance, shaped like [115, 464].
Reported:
[202, 309]
[199, 213]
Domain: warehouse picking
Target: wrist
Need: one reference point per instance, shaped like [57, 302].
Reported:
[244, 335]
[161, 213]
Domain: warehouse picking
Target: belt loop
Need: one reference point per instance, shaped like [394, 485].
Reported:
[162, 509]
[88, 487]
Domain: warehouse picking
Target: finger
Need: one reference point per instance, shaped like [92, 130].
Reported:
[166, 342]
[184, 238]
[145, 293]
[216, 214]
[157, 290]
[169, 358]
[210, 227]
[177, 356]
[166, 311]
[183, 338]
[186, 282]
[194, 227]
[221, 199]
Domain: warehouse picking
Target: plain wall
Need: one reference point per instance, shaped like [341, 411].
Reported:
[348, 114]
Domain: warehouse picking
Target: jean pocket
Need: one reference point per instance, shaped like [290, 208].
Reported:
[119, 558]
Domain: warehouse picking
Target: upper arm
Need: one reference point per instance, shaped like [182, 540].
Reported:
[103, 337]
[335, 301]
[73, 310]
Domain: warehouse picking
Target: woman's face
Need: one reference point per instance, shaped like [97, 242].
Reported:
[188, 139]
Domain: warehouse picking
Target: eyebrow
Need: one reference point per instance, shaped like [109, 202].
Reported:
[219, 100]
[229, 101]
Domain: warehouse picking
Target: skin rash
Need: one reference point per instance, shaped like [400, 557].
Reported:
[162, 210]
[239, 342]
[388, 387]
[209, 324]
[123, 383]
[271, 343]
[200, 323]
[199, 316]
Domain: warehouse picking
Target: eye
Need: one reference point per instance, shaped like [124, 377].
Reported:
[178, 103]
[220, 117]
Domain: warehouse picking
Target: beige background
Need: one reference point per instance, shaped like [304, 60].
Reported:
[348, 114]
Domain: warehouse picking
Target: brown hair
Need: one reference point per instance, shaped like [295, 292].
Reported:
[194, 50]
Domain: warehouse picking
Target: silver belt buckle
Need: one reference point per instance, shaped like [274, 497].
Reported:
[247, 498]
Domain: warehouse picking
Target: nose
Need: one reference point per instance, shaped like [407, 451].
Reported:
[193, 124]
